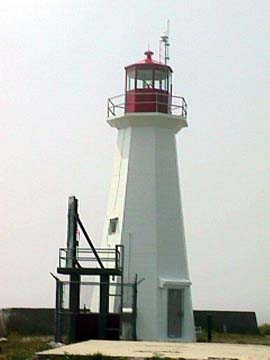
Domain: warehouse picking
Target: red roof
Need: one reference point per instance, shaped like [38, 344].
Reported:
[149, 61]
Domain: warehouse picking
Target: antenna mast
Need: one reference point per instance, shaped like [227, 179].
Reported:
[164, 44]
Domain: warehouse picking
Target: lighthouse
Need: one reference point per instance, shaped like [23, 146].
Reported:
[144, 212]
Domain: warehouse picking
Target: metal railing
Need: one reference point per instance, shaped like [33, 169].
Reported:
[111, 258]
[175, 105]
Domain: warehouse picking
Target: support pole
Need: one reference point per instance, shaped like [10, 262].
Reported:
[71, 232]
[103, 305]
[58, 310]
[74, 286]
[89, 241]
[134, 310]
[74, 306]
[209, 328]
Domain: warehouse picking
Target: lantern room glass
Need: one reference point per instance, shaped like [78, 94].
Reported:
[162, 80]
[131, 80]
[158, 79]
[144, 79]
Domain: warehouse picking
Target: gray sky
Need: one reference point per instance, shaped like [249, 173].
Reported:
[60, 60]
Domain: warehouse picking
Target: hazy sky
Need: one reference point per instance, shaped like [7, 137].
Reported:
[60, 60]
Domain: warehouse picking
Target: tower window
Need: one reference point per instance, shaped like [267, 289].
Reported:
[113, 226]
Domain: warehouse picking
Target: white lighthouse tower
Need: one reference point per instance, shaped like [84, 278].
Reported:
[144, 211]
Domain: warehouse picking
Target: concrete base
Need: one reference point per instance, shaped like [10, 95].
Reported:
[144, 349]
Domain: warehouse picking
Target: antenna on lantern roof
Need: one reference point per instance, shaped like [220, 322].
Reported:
[164, 44]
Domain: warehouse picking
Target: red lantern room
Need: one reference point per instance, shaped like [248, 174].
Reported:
[148, 89]
[148, 86]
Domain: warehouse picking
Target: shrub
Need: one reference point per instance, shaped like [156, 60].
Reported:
[264, 329]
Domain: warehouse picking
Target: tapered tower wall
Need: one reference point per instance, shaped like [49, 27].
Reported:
[145, 200]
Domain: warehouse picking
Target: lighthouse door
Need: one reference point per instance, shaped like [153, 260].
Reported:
[175, 312]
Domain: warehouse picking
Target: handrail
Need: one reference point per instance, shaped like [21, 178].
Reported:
[116, 105]
[112, 111]
[112, 258]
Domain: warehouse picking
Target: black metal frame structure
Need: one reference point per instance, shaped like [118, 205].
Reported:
[102, 263]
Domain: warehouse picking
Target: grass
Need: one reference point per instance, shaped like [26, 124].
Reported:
[236, 338]
[20, 347]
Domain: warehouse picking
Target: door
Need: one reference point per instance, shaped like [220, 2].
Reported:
[175, 312]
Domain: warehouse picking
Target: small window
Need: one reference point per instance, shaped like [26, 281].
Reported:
[113, 226]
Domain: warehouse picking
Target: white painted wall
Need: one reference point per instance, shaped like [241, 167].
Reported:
[145, 196]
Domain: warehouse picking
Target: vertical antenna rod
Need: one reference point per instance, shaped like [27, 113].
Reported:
[164, 43]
